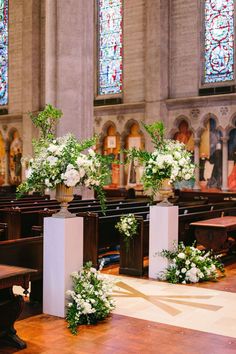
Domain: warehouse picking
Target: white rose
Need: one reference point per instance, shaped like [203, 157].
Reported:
[181, 255]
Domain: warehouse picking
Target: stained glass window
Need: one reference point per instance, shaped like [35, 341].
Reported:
[110, 47]
[3, 52]
[219, 40]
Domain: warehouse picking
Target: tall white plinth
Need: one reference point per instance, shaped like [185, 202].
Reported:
[63, 254]
[163, 232]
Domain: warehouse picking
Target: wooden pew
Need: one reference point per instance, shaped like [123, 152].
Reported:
[21, 220]
[100, 232]
[27, 253]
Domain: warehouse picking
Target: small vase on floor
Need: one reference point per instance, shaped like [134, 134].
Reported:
[64, 195]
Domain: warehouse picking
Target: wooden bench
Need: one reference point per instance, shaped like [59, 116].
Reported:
[27, 253]
[10, 304]
[20, 220]
[216, 234]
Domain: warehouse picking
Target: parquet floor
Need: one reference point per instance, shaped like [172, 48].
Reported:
[120, 334]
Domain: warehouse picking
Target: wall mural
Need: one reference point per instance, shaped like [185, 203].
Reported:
[111, 147]
[185, 135]
[15, 154]
[211, 156]
[2, 160]
[232, 160]
[134, 170]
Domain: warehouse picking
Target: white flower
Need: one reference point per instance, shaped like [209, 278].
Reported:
[183, 270]
[28, 172]
[71, 177]
[52, 160]
[181, 255]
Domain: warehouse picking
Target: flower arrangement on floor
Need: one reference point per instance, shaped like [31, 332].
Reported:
[169, 160]
[91, 299]
[128, 227]
[63, 159]
[190, 265]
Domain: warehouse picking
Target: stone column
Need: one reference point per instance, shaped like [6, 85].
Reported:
[122, 170]
[30, 70]
[224, 186]
[7, 149]
[156, 62]
[69, 63]
[196, 161]
[50, 52]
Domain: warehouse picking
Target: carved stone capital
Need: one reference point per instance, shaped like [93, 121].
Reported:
[194, 113]
[225, 139]
[224, 110]
[120, 118]
[197, 142]
[98, 121]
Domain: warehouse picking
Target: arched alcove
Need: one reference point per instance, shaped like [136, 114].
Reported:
[110, 146]
[232, 160]
[184, 134]
[210, 164]
[133, 137]
[14, 157]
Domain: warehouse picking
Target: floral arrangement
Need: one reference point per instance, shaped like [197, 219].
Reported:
[63, 160]
[190, 265]
[91, 299]
[169, 160]
[128, 227]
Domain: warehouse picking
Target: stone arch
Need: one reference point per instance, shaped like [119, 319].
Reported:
[183, 132]
[232, 122]
[210, 133]
[176, 124]
[203, 123]
[127, 131]
[104, 130]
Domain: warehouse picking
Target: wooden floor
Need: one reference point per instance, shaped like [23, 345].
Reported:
[120, 334]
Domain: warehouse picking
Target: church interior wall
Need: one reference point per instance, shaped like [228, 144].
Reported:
[161, 70]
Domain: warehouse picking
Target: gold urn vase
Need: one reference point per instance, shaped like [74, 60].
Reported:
[64, 195]
[166, 192]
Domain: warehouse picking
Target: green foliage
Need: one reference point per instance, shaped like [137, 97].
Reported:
[156, 130]
[63, 160]
[127, 227]
[187, 264]
[90, 299]
[46, 121]
[169, 160]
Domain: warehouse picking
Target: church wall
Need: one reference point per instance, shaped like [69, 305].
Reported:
[134, 47]
[184, 48]
[15, 56]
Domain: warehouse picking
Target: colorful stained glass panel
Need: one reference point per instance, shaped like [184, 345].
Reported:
[219, 40]
[3, 52]
[110, 47]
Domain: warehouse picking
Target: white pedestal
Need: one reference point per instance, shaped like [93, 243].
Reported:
[63, 254]
[162, 233]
